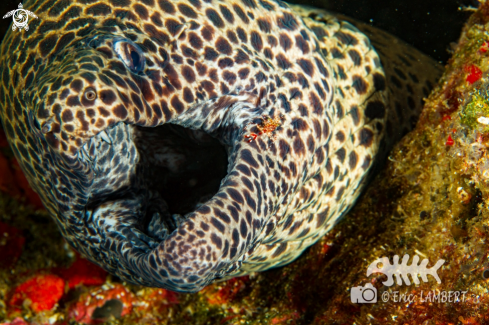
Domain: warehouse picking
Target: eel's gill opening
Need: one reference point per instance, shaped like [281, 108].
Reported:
[184, 166]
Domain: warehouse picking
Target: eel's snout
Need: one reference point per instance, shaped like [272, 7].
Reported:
[87, 92]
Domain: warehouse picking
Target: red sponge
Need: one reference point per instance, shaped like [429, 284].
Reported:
[43, 291]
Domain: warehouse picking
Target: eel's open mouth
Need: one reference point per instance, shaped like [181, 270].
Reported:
[171, 169]
[185, 167]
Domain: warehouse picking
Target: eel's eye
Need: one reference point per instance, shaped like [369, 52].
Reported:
[90, 94]
[130, 54]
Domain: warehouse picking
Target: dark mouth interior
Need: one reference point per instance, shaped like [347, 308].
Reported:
[184, 166]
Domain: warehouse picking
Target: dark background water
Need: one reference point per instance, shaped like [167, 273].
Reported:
[429, 25]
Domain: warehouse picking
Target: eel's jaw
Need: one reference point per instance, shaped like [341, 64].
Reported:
[113, 229]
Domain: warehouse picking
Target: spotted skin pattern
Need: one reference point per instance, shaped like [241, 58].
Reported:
[84, 88]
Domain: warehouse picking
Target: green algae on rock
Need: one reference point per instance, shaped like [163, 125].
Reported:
[475, 113]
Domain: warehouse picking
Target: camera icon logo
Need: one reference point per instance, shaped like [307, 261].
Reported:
[363, 295]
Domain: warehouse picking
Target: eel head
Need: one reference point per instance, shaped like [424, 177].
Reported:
[153, 189]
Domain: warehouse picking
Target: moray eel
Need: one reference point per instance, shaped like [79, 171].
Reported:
[177, 143]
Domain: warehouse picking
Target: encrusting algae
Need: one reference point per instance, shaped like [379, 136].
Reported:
[474, 115]
[430, 200]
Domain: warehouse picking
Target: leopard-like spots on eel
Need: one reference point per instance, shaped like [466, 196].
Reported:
[176, 143]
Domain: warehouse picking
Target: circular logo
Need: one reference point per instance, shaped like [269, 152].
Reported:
[20, 18]
[368, 295]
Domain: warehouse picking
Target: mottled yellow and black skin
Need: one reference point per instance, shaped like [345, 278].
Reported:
[76, 113]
